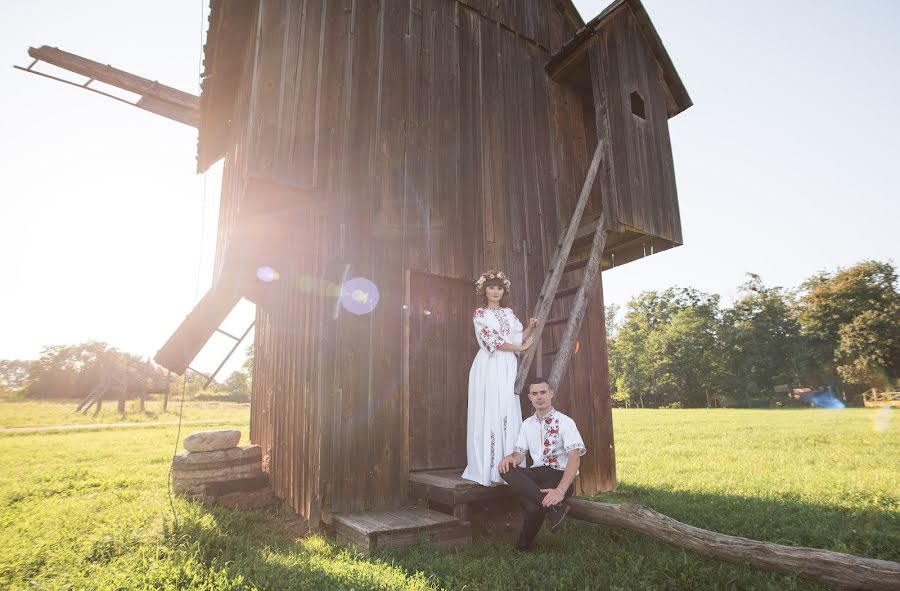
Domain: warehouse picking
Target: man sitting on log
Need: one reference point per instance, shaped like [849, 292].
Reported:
[556, 447]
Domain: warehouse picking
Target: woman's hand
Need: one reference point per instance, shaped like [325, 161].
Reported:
[532, 324]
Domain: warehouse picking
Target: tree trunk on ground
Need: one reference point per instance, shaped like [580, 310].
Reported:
[841, 570]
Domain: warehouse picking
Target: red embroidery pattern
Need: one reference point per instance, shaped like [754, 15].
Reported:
[504, 322]
[489, 336]
[550, 428]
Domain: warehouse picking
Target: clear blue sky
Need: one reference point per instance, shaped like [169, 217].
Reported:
[786, 164]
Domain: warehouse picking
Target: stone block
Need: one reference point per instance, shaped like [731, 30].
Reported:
[212, 440]
[242, 452]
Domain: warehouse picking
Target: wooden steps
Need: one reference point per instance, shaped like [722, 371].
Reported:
[492, 511]
[402, 527]
[448, 488]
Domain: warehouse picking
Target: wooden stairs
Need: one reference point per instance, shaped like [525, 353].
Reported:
[400, 528]
[93, 396]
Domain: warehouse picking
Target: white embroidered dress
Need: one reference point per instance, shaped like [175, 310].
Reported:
[494, 414]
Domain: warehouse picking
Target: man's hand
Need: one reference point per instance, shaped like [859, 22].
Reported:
[507, 463]
[553, 497]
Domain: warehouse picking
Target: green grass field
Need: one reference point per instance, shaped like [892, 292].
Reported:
[89, 510]
[39, 413]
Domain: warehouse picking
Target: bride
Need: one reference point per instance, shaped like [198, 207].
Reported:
[494, 414]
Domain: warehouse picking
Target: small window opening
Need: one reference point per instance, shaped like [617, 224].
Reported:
[637, 105]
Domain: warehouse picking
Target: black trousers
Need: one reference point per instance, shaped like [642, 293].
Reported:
[527, 484]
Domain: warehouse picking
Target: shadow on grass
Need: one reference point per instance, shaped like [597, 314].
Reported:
[257, 547]
[870, 528]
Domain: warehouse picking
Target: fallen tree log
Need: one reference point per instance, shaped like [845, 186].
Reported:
[841, 570]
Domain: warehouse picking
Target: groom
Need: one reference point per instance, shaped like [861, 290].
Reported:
[556, 448]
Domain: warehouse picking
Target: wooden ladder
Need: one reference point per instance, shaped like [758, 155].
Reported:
[96, 394]
[561, 264]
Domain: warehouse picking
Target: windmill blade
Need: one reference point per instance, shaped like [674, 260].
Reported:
[157, 98]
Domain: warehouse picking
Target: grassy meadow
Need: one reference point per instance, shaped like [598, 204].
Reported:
[18, 412]
[89, 509]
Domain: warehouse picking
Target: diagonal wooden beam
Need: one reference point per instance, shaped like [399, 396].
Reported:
[576, 314]
[551, 283]
[155, 97]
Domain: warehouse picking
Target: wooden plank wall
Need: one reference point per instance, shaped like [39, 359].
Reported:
[644, 169]
[234, 172]
[287, 405]
[433, 135]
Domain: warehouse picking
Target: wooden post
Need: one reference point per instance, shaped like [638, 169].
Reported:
[166, 395]
[124, 393]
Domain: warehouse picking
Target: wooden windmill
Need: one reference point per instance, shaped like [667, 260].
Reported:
[386, 152]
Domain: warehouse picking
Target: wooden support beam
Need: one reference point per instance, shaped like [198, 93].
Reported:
[576, 314]
[155, 97]
[551, 284]
[196, 329]
[844, 571]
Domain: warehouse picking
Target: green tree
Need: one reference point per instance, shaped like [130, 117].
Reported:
[14, 373]
[868, 352]
[238, 385]
[830, 301]
[760, 340]
[664, 351]
[71, 371]
[247, 367]
[688, 365]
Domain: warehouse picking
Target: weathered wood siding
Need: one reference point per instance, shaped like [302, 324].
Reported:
[435, 142]
[622, 63]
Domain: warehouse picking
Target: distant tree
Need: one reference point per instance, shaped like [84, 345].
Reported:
[14, 373]
[828, 302]
[689, 363]
[665, 348]
[70, 371]
[189, 385]
[868, 352]
[247, 367]
[611, 312]
[760, 340]
[238, 384]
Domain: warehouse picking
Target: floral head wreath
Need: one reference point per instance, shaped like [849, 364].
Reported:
[479, 284]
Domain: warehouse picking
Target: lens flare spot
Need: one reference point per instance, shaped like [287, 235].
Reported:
[267, 274]
[359, 296]
[883, 419]
[827, 399]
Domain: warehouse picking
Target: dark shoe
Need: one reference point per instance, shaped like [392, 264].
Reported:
[556, 514]
[523, 549]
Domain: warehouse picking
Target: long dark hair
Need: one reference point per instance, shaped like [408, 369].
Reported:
[504, 301]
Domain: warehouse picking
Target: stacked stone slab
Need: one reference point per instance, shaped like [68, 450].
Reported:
[216, 470]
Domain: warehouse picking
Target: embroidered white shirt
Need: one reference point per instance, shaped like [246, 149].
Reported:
[548, 440]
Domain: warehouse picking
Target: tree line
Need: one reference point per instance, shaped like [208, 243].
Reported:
[681, 347]
[677, 347]
[72, 371]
